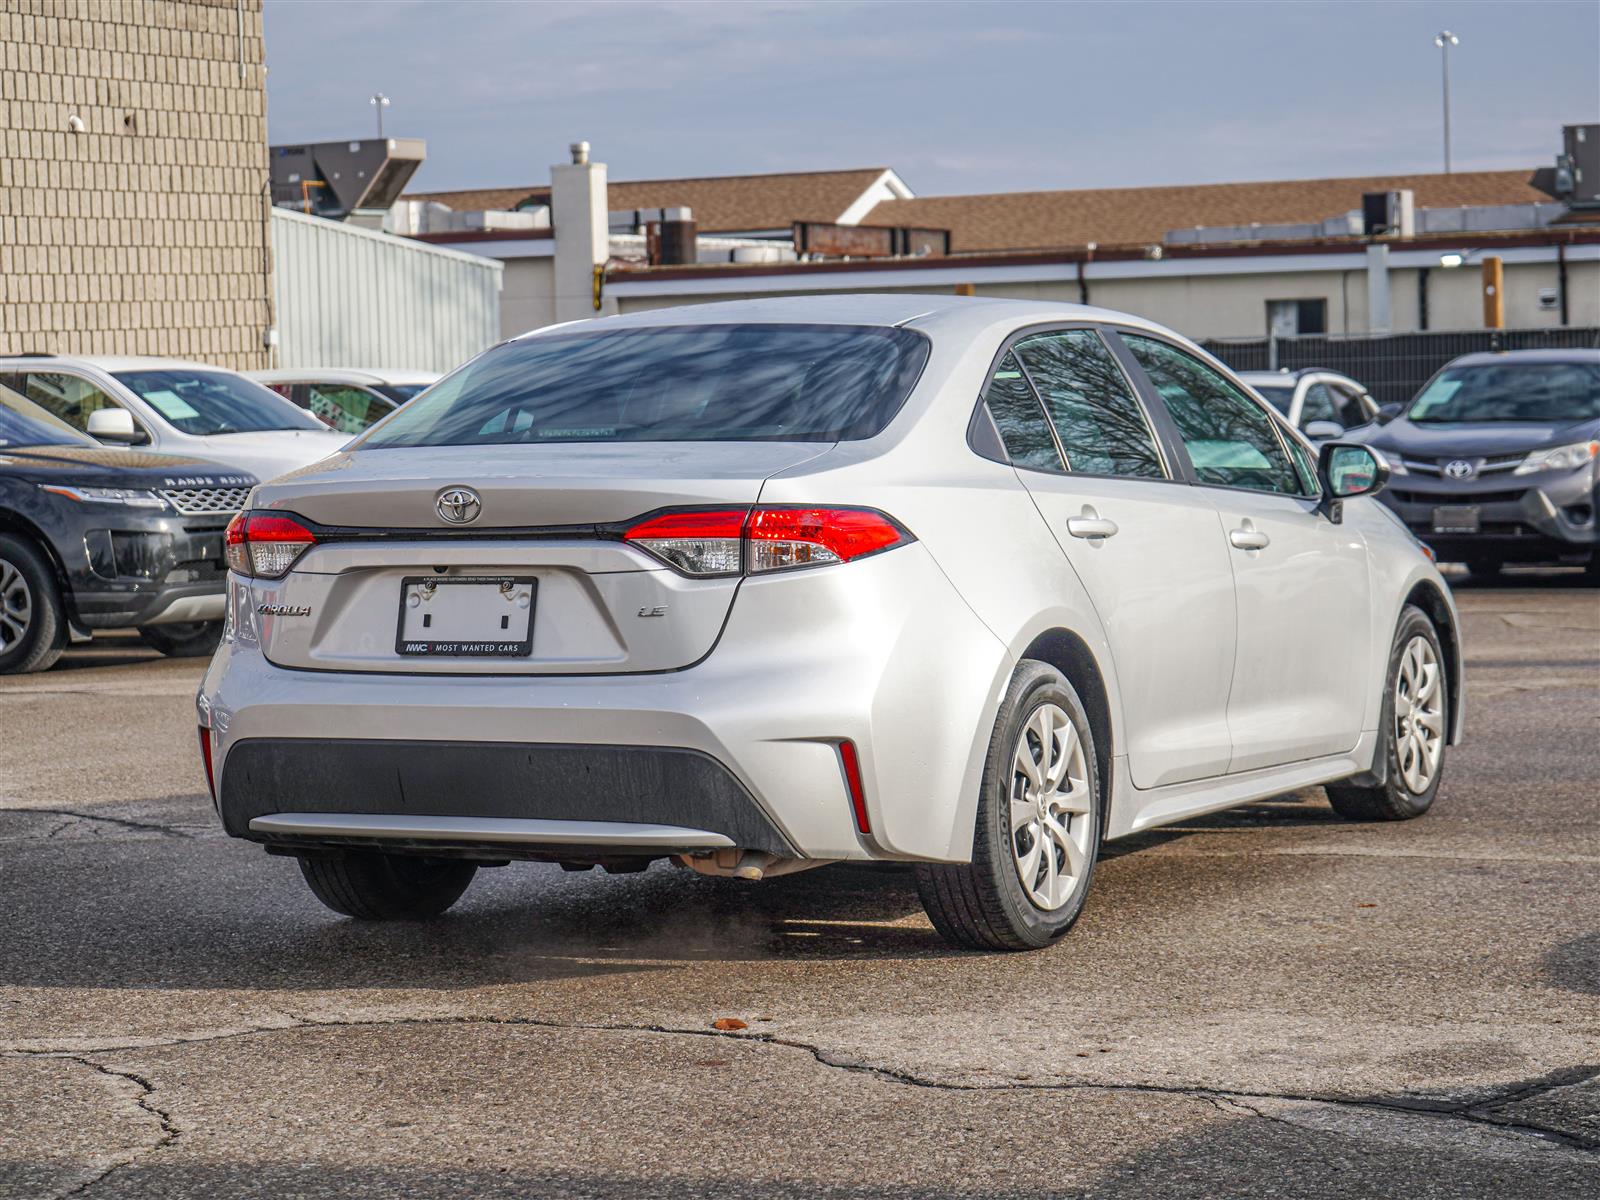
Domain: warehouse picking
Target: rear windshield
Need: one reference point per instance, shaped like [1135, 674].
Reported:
[207, 403]
[1512, 391]
[1278, 395]
[697, 383]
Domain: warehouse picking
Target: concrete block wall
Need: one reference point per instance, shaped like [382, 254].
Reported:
[146, 232]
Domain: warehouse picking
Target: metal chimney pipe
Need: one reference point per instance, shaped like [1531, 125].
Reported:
[580, 153]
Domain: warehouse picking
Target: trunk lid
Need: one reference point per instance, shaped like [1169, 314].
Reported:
[599, 606]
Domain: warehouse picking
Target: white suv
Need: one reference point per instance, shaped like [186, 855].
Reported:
[174, 407]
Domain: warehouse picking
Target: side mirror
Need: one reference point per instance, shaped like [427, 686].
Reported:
[1346, 470]
[1388, 412]
[1322, 431]
[115, 425]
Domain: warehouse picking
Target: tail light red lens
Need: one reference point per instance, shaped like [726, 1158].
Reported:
[264, 545]
[717, 542]
[205, 755]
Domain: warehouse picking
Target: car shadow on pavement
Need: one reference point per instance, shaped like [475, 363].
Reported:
[1575, 964]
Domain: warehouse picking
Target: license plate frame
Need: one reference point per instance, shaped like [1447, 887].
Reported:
[1456, 518]
[418, 647]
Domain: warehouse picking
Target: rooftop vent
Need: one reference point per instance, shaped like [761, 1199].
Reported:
[345, 180]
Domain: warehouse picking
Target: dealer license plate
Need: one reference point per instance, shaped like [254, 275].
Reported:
[466, 615]
[1455, 518]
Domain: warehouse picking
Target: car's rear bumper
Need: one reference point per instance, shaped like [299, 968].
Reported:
[1518, 521]
[882, 653]
[489, 794]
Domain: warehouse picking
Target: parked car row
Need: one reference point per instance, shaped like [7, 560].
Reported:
[346, 400]
[118, 477]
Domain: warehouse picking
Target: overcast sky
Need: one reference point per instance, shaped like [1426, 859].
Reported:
[957, 97]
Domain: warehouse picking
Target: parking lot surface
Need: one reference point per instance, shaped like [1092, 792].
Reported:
[1266, 1002]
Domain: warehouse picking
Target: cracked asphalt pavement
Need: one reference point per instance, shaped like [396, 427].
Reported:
[1266, 1002]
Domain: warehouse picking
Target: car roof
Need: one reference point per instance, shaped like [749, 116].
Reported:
[1576, 354]
[343, 375]
[108, 362]
[949, 314]
[1288, 376]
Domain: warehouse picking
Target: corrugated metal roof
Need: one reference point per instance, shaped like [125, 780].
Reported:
[350, 297]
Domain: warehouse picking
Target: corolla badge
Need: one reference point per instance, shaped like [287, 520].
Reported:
[1460, 468]
[458, 505]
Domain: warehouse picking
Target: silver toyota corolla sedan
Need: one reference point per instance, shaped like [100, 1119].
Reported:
[971, 584]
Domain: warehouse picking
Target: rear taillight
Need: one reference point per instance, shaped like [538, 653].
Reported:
[706, 543]
[264, 545]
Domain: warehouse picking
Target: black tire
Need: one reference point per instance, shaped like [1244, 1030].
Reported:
[370, 886]
[33, 624]
[982, 905]
[189, 639]
[1393, 800]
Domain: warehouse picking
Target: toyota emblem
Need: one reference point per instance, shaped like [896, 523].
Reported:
[458, 505]
[1460, 469]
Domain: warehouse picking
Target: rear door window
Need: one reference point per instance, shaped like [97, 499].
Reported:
[1100, 425]
[1230, 439]
[1021, 422]
[686, 383]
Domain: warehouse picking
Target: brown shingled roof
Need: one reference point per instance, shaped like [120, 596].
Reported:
[1140, 216]
[723, 203]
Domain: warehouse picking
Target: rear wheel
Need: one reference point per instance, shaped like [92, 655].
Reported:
[1038, 825]
[33, 625]
[188, 639]
[1415, 727]
[370, 886]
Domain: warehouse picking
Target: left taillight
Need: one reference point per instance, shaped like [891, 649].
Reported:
[205, 756]
[264, 545]
[715, 542]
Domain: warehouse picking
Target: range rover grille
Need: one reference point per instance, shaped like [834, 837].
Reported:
[194, 502]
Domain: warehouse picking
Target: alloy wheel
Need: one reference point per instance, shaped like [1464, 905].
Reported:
[16, 606]
[1050, 808]
[1418, 715]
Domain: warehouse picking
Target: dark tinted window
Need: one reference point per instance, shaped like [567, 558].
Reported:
[1512, 391]
[1019, 418]
[1352, 409]
[1100, 424]
[205, 403]
[23, 423]
[1231, 441]
[1279, 395]
[696, 383]
[401, 392]
[1318, 406]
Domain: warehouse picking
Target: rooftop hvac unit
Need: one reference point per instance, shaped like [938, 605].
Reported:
[341, 179]
[1580, 165]
[1389, 214]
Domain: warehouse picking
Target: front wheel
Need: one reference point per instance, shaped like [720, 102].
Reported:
[189, 639]
[1038, 826]
[371, 886]
[1415, 728]
[33, 625]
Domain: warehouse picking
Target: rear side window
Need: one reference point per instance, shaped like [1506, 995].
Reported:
[693, 383]
[1020, 420]
[1100, 424]
[1231, 441]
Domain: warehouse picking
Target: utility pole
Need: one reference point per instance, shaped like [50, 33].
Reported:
[381, 102]
[1444, 40]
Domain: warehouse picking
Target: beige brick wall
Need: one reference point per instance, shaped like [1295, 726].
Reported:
[146, 232]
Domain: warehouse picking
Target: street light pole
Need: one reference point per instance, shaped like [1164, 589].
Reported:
[381, 102]
[1444, 41]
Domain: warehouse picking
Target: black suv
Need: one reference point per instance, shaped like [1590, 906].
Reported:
[93, 537]
[1494, 461]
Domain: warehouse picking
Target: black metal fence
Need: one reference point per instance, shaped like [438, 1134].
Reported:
[1392, 366]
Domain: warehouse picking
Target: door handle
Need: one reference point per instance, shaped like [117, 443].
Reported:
[1090, 524]
[1248, 538]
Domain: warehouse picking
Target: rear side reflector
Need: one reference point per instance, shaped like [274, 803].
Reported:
[264, 545]
[852, 779]
[205, 755]
[775, 538]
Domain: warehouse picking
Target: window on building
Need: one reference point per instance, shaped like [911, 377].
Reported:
[1099, 422]
[1291, 318]
[1017, 415]
[1230, 439]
